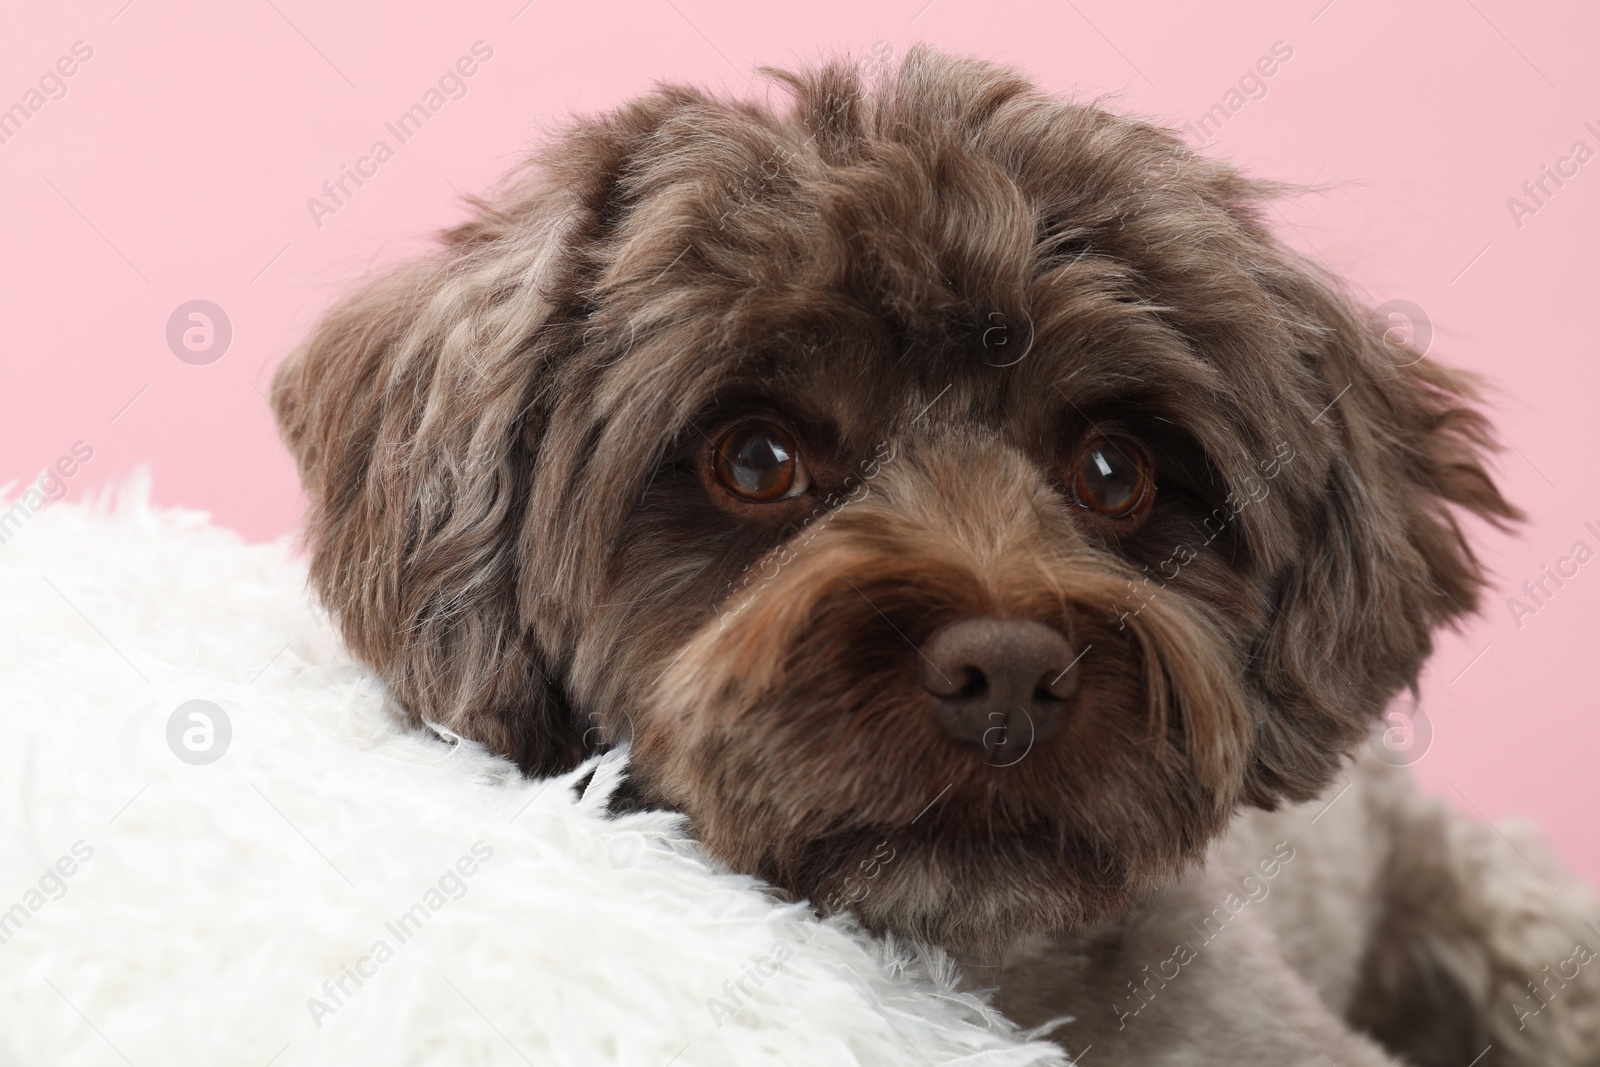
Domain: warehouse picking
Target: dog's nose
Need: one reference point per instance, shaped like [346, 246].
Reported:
[1001, 684]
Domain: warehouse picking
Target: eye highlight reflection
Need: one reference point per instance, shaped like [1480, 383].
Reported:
[759, 462]
[1114, 477]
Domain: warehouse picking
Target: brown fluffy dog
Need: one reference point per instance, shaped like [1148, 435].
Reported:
[952, 483]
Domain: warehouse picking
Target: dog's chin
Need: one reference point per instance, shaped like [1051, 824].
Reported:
[968, 893]
[973, 866]
[926, 837]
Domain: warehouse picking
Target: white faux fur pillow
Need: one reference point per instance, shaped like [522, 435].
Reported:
[335, 889]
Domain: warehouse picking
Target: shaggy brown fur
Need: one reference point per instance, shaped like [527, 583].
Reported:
[941, 288]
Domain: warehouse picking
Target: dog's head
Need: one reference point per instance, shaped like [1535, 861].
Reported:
[958, 497]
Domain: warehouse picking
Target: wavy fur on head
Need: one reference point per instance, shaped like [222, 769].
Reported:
[942, 285]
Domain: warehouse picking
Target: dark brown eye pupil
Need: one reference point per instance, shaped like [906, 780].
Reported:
[1112, 477]
[756, 462]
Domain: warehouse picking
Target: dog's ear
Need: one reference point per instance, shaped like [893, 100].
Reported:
[407, 411]
[1379, 558]
[417, 414]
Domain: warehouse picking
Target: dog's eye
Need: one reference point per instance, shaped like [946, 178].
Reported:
[758, 461]
[1114, 478]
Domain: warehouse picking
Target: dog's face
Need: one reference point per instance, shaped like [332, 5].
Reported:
[957, 497]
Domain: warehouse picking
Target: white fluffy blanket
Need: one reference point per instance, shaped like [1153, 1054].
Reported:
[335, 889]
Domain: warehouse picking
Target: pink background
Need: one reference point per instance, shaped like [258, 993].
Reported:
[179, 162]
